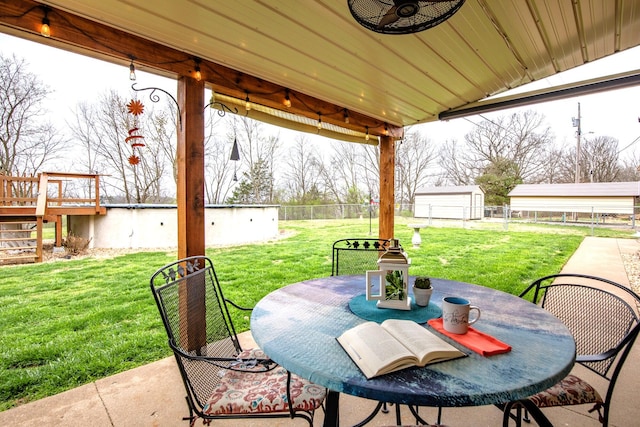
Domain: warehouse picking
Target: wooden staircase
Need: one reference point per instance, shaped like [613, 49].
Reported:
[17, 242]
[27, 203]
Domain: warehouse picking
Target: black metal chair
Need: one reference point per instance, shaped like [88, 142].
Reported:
[603, 318]
[221, 379]
[355, 256]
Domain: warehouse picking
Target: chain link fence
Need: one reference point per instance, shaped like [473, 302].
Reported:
[504, 213]
[339, 211]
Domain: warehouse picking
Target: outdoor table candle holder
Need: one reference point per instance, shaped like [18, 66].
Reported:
[389, 285]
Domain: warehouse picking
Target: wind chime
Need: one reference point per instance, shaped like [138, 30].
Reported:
[135, 108]
[235, 156]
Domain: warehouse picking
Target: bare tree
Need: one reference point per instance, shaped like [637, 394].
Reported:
[553, 171]
[220, 173]
[414, 156]
[302, 172]
[28, 141]
[344, 173]
[164, 135]
[599, 160]
[151, 182]
[370, 167]
[105, 138]
[630, 168]
[520, 138]
[455, 171]
[84, 134]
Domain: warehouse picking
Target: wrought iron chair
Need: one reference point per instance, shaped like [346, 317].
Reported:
[355, 256]
[221, 379]
[603, 318]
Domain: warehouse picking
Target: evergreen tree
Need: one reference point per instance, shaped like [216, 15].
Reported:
[255, 186]
[497, 180]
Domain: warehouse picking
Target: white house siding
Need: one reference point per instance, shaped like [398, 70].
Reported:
[157, 226]
[613, 205]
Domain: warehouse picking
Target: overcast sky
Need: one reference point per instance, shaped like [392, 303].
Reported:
[75, 78]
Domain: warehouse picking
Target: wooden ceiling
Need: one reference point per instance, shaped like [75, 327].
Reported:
[330, 67]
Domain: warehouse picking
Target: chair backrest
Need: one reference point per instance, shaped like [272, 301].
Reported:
[601, 314]
[355, 256]
[197, 322]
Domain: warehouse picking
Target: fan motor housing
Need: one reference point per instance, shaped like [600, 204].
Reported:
[405, 9]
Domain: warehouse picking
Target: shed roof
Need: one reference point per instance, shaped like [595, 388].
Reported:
[592, 189]
[454, 189]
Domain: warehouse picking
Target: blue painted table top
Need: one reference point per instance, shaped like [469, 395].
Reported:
[297, 327]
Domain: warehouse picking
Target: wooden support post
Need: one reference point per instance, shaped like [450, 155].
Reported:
[387, 179]
[58, 242]
[190, 193]
[190, 159]
[39, 225]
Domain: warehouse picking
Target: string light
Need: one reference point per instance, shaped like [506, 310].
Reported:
[386, 130]
[45, 30]
[132, 71]
[287, 100]
[198, 74]
[366, 137]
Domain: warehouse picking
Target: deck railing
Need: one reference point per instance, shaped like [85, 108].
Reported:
[46, 192]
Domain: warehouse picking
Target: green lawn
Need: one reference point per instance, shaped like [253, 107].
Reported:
[69, 322]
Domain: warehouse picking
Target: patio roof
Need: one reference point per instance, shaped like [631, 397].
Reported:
[332, 69]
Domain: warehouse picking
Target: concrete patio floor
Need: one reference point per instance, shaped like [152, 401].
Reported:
[153, 395]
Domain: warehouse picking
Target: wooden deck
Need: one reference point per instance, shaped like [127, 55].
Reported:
[26, 203]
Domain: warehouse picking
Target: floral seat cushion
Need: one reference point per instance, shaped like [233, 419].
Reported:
[261, 392]
[570, 391]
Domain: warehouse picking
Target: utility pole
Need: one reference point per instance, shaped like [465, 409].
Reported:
[576, 123]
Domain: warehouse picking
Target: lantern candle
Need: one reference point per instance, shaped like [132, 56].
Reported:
[392, 279]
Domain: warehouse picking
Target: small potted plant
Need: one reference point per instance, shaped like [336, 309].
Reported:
[422, 290]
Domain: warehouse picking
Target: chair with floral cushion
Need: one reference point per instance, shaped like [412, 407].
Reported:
[221, 379]
[603, 317]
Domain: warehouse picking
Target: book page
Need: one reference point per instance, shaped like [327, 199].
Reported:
[374, 349]
[427, 346]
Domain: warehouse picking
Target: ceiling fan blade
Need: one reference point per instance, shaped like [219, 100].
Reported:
[389, 18]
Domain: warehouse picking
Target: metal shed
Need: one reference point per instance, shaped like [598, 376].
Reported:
[454, 202]
[596, 197]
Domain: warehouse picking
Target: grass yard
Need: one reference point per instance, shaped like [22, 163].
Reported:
[69, 322]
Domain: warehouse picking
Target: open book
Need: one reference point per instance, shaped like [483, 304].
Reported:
[394, 344]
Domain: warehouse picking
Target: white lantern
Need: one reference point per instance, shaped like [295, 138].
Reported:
[389, 285]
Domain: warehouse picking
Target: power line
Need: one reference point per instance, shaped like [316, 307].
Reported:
[630, 144]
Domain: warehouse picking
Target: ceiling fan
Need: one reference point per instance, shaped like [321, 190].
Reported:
[402, 16]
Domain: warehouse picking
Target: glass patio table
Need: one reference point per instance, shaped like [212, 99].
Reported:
[297, 327]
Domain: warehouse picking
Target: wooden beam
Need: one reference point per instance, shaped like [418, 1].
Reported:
[41, 205]
[190, 192]
[190, 164]
[387, 198]
[23, 18]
